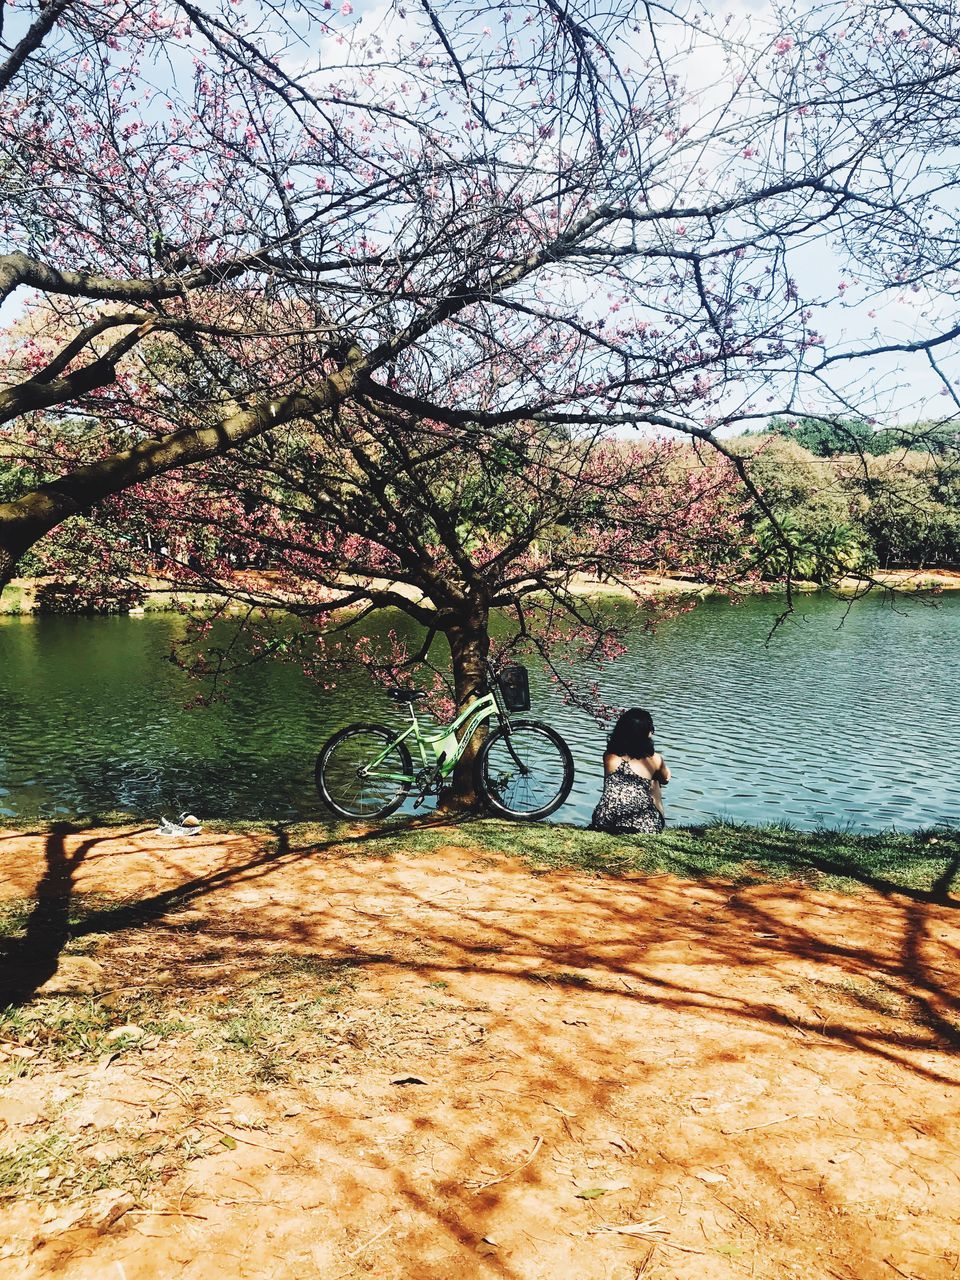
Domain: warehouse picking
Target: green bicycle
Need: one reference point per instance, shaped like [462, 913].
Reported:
[523, 769]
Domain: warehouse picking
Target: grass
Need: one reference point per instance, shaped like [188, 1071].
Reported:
[921, 863]
[19, 597]
[25, 1167]
[54, 1166]
[16, 599]
[285, 1015]
[880, 996]
[62, 1028]
[872, 994]
[286, 1012]
[15, 916]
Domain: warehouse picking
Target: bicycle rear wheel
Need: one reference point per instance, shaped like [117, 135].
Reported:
[525, 771]
[347, 783]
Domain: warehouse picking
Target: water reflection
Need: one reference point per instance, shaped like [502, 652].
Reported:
[849, 717]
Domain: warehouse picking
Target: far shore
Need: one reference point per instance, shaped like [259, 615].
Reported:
[19, 597]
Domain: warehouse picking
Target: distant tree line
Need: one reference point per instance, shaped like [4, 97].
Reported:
[828, 437]
[853, 496]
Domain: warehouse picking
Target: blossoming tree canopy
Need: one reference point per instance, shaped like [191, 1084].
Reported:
[377, 511]
[320, 206]
[327, 206]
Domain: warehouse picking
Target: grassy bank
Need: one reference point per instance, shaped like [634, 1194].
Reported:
[919, 863]
[19, 598]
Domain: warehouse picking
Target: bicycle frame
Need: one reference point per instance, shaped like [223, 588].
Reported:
[523, 768]
[441, 748]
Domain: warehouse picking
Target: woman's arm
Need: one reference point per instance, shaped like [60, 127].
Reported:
[662, 774]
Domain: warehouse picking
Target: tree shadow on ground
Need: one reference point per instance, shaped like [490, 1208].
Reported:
[589, 988]
[28, 961]
[905, 966]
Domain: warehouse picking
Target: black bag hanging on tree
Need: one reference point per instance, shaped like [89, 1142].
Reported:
[515, 687]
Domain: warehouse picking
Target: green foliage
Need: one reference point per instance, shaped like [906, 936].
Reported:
[852, 512]
[821, 535]
[827, 437]
[939, 440]
[76, 596]
[911, 510]
[830, 437]
[814, 556]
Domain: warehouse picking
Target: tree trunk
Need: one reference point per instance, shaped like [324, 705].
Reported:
[469, 642]
[8, 566]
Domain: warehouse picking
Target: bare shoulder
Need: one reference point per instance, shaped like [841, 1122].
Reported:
[611, 762]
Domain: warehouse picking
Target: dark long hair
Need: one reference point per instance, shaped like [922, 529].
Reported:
[633, 735]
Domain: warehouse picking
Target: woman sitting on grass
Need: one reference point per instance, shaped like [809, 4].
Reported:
[633, 775]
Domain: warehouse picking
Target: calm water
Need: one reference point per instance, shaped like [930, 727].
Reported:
[846, 718]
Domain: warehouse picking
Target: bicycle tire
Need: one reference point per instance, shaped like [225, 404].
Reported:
[542, 786]
[340, 787]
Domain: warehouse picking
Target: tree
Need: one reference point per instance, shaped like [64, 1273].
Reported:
[325, 219]
[816, 532]
[911, 509]
[388, 511]
[827, 437]
[853, 511]
[279, 259]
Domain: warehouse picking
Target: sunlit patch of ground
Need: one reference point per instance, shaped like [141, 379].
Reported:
[425, 1054]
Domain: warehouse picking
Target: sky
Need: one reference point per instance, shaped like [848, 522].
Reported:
[895, 389]
[892, 389]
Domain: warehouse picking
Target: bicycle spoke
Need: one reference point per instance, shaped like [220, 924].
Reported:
[351, 784]
[531, 774]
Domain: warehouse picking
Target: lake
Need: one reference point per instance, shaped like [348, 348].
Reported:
[849, 716]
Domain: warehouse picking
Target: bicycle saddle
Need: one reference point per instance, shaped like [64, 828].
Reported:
[406, 695]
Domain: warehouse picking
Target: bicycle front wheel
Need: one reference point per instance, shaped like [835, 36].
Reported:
[350, 783]
[524, 771]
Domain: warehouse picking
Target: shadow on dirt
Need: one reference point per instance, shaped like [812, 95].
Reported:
[28, 961]
[901, 958]
[574, 976]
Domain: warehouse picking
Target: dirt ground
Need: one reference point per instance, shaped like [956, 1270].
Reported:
[448, 1065]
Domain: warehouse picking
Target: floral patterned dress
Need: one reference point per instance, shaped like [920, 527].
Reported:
[627, 804]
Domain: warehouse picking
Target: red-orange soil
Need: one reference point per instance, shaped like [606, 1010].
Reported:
[618, 1077]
